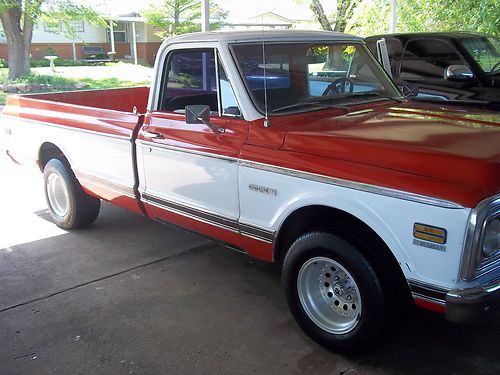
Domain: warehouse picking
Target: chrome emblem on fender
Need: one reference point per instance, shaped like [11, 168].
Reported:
[263, 189]
[429, 236]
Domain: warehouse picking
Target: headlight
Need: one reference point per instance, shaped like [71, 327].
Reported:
[481, 254]
[491, 244]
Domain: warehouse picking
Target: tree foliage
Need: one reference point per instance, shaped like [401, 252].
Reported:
[372, 16]
[447, 15]
[174, 17]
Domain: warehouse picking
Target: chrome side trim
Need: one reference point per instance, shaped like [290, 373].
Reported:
[186, 151]
[257, 233]
[427, 291]
[21, 119]
[223, 222]
[472, 264]
[193, 213]
[393, 193]
[106, 184]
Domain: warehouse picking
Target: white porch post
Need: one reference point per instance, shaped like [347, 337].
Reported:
[112, 36]
[394, 16]
[73, 44]
[205, 16]
[134, 38]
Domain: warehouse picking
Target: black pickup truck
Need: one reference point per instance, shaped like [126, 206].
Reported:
[456, 67]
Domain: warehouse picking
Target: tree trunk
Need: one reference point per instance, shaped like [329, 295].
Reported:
[19, 57]
[18, 40]
[318, 11]
[345, 11]
[176, 17]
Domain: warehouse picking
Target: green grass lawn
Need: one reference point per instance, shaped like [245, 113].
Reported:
[94, 77]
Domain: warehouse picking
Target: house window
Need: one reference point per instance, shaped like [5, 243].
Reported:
[119, 32]
[78, 26]
[52, 26]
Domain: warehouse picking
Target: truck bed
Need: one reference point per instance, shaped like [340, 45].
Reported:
[98, 128]
[121, 99]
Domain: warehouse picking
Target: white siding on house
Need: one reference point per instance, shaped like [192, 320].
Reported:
[145, 33]
[140, 30]
[91, 34]
[150, 34]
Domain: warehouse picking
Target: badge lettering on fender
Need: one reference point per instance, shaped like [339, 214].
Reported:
[429, 236]
[263, 189]
[429, 245]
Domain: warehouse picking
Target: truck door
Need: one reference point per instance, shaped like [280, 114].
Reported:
[189, 171]
[425, 62]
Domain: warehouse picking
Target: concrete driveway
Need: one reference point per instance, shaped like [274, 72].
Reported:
[131, 296]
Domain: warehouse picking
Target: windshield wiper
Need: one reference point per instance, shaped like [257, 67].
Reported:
[305, 103]
[379, 96]
[319, 102]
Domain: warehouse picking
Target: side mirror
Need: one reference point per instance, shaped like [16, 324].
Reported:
[200, 114]
[458, 73]
[197, 114]
[409, 89]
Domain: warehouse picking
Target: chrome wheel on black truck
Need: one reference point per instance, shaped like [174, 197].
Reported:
[334, 293]
[69, 206]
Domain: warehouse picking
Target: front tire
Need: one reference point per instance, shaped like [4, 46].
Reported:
[334, 293]
[69, 206]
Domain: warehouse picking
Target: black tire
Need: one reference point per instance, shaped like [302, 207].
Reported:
[371, 323]
[78, 209]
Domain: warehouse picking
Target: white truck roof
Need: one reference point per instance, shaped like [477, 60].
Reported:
[266, 35]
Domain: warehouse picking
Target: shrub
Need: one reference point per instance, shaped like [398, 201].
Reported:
[4, 63]
[59, 62]
[39, 63]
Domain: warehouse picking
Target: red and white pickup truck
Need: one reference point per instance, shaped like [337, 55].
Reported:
[296, 148]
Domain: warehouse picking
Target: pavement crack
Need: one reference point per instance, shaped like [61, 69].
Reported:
[343, 372]
[24, 356]
[196, 249]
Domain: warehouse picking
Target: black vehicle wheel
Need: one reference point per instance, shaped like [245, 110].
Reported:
[69, 206]
[334, 293]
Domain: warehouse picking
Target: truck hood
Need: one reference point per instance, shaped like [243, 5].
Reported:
[458, 147]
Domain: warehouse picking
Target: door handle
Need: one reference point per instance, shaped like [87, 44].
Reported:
[152, 135]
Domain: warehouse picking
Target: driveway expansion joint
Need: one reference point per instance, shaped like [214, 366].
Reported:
[181, 254]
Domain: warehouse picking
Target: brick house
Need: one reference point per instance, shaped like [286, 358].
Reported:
[118, 36]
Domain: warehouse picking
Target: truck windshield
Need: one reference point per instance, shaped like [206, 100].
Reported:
[297, 77]
[486, 52]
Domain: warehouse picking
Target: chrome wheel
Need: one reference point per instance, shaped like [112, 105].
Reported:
[57, 194]
[329, 295]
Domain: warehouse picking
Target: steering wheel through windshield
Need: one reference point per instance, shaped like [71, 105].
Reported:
[495, 67]
[339, 86]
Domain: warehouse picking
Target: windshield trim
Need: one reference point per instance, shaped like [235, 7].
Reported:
[361, 43]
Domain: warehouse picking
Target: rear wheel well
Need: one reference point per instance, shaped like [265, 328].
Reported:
[50, 151]
[350, 228]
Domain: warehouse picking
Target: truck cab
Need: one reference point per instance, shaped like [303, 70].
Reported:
[451, 68]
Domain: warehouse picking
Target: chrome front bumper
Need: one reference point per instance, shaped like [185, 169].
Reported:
[467, 305]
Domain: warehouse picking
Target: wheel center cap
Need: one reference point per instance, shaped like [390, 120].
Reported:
[338, 290]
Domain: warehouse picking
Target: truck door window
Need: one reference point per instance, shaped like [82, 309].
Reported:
[428, 59]
[189, 78]
[394, 49]
[485, 51]
[229, 105]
